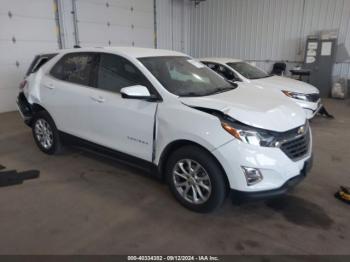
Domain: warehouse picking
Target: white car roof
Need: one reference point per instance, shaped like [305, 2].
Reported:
[220, 60]
[144, 52]
[135, 52]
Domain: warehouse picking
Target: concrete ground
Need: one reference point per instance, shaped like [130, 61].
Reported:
[85, 204]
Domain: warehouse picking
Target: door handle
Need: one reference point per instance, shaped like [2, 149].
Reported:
[98, 99]
[49, 86]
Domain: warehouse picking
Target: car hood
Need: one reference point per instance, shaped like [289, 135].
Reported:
[285, 83]
[258, 107]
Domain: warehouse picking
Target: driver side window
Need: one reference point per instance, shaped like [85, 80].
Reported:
[116, 72]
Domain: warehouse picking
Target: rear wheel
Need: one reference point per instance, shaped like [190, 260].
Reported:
[196, 179]
[45, 133]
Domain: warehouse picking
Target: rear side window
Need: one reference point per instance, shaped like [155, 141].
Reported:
[77, 68]
[38, 62]
[116, 72]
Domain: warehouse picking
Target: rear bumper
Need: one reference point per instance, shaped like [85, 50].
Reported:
[240, 196]
[25, 109]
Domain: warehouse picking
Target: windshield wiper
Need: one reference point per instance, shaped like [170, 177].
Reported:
[261, 77]
[216, 91]
[192, 94]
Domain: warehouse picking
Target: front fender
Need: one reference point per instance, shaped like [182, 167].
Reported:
[179, 122]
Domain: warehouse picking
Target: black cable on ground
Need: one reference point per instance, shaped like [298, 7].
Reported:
[12, 177]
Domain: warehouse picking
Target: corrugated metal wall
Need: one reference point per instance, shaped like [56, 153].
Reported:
[172, 24]
[164, 20]
[265, 30]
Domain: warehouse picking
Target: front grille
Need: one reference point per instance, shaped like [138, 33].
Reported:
[313, 97]
[296, 148]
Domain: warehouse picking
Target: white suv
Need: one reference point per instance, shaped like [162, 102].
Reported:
[163, 110]
[305, 95]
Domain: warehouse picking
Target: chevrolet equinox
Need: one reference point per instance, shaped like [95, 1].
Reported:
[205, 136]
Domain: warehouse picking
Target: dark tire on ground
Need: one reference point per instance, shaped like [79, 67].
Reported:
[43, 121]
[212, 169]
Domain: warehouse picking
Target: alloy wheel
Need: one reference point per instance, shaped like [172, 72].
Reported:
[192, 181]
[43, 133]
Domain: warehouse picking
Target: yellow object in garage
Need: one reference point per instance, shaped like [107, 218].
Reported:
[343, 194]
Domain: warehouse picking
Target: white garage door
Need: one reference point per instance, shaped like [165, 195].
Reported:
[26, 28]
[115, 22]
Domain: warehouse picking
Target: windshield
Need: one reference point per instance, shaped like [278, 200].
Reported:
[248, 71]
[183, 76]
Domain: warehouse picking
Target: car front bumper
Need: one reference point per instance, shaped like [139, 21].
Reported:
[241, 196]
[279, 172]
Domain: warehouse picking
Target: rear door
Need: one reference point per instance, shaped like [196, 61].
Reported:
[66, 91]
[125, 125]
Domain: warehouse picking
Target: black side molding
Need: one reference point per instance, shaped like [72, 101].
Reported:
[111, 154]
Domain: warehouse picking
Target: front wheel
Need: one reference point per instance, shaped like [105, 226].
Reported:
[196, 179]
[45, 133]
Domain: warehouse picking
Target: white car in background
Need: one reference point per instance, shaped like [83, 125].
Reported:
[165, 111]
[305, 95]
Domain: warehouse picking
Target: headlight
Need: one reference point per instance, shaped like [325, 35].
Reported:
[250, 135]
[294, 95]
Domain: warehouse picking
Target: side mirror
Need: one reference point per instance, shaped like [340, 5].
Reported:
[137, 92]
[233, 82]
[232, 77]
[236, 79]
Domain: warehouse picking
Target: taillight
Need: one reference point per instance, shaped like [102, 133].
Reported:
[22, 84]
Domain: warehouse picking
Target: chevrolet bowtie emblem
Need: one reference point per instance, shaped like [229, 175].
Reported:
[301, 130]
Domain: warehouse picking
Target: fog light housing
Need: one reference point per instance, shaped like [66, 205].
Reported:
[252, 175]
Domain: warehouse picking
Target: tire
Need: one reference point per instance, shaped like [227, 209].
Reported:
[206, 175]
[45, 134]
